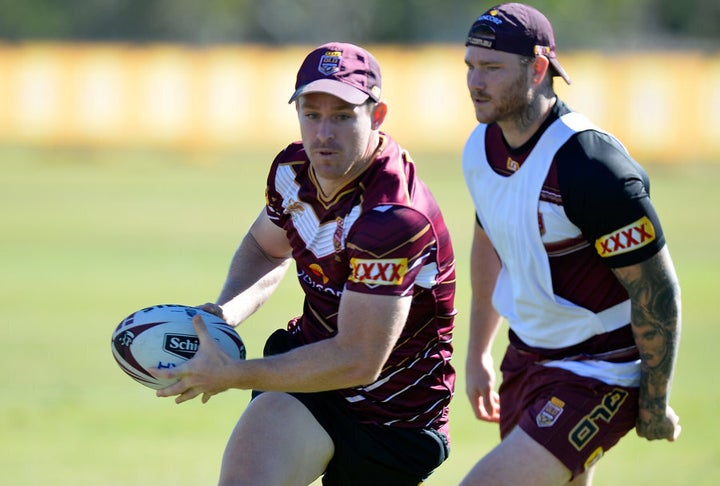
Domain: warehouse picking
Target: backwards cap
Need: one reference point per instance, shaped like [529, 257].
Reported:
[519, 29]
[344, 70]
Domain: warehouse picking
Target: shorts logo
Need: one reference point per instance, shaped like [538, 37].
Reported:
[631, 237]
[330, 62]
[590, 425]
[389, 271]
[550, 413]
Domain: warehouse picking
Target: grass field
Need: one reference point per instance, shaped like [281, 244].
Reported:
[87, 237]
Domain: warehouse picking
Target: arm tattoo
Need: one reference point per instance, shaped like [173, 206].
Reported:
[655, 295]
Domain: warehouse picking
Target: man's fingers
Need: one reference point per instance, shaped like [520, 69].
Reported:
[212, 309]
[201, 328]
[174, 389]
[188, 394]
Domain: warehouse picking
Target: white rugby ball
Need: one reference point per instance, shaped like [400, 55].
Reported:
[163, 336]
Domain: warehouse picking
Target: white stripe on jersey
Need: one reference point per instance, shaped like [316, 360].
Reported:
[318, 238]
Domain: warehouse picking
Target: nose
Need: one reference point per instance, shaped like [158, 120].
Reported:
[325, 130]
[475, 79]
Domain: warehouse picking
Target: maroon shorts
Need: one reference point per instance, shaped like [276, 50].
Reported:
[576, 418]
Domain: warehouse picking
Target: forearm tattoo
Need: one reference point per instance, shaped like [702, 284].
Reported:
[655, 295]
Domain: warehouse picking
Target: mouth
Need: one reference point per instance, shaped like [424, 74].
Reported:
[324, 152]
[479, 98]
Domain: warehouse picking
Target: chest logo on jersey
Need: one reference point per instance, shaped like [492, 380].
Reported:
[631, 237]
[512, 165]
[318, 272]
[294, 207]
[389, 271]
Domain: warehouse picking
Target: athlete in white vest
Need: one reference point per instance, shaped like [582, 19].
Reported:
[570, 251]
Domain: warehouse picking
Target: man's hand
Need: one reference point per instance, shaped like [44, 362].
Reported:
[203, 374]
[658, 426]
[480, 384]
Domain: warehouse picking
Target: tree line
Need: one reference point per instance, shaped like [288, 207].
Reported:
[578, 24]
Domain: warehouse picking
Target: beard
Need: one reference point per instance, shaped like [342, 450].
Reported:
[514, 103]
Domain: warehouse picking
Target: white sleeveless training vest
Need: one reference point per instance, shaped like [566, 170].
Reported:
[508, 210]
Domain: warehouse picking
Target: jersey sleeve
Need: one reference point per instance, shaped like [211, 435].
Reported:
[391, 250]
[607, 195]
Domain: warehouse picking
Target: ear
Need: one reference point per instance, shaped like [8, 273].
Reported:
[540, 69]
[378, 115]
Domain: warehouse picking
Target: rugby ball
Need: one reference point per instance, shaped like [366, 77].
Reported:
[163, 336]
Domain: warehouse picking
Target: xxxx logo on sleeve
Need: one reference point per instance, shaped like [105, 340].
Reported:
[631, 237]
[389, 271]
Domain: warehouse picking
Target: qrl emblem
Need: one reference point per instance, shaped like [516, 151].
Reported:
[550, 412]
[181, 345]
[330, 63]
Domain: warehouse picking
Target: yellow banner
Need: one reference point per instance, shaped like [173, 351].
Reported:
[665, 107]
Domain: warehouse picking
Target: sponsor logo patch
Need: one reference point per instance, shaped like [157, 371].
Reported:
[389, 271]
[590, 425]
[542, 50]
[550, 412]
[318, 271]
[491, 16]
[631, 237]
[181, 345]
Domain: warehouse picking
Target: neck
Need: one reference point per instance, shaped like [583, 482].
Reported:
[518, 130]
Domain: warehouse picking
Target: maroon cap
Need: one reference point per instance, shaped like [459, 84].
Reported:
[518, 29]
[344, 70]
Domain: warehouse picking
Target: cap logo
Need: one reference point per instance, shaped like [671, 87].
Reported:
[542, 50]
[491, 16]
[330, 63]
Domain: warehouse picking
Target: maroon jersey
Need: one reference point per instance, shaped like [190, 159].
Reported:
[383, 234]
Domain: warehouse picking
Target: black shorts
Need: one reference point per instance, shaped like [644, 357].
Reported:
[368, 454]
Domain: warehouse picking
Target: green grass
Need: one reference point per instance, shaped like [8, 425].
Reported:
[87, 237]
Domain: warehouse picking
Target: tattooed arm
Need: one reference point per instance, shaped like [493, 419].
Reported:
[655, 295]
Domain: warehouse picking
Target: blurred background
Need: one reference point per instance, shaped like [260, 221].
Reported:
[135, 136]
[216, 75]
